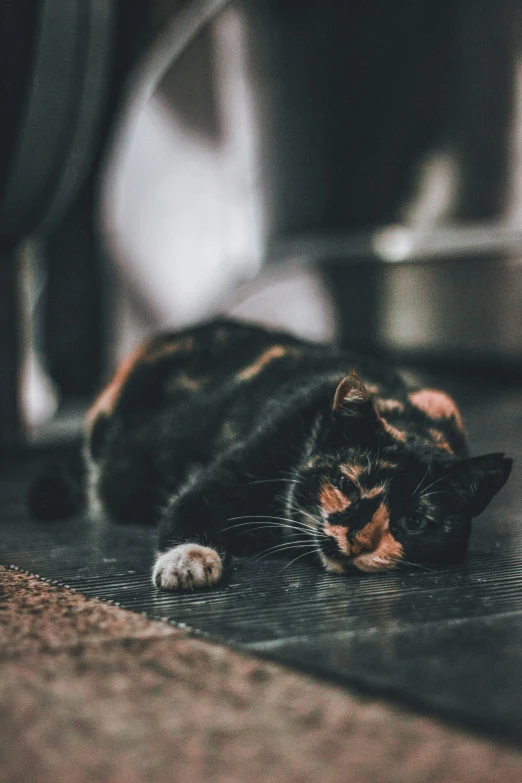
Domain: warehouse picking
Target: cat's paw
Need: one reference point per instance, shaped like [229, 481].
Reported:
[187, 566]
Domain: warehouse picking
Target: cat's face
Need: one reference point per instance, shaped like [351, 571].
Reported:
[376, 501]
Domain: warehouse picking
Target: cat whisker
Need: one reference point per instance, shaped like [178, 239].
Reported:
[282, 547]
[286, 521]
[400, 561]
[266, 526]
[274, 481]
[297, 510]
[271, 526]
[275, 522]
[305, 554]
[293, 473]
[437, 492]
[442, 478]
[378, 445]
[262, 516]
[420, 482]
[317, 523]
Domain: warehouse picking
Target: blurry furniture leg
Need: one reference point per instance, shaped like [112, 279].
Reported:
[11, 428]
[74, 329]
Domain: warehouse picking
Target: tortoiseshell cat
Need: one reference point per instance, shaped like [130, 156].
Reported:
[239, 439]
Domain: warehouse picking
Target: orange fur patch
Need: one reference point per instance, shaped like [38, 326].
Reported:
[353, 472]
[106, 400]
[339, 533]
[373, 492]
[371, 535]
[384, 465]
[437, 405]
[389, 406]
[154, 352]
[275, 352]
[332, 500]
[439, 440]
[372, 549]
[389, 547]
[395, 433]
[150, 351]
[384, 557]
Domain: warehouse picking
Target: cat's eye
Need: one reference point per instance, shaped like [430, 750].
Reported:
[413, 525]
[346, 486]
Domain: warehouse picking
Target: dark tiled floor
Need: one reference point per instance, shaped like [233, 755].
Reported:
[449, 642]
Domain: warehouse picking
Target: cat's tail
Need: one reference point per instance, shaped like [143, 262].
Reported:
[58, 489]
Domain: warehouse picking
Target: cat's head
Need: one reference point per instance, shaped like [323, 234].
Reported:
[378, 495]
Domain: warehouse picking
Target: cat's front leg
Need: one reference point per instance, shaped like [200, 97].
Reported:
[195, 532]
[193, 551]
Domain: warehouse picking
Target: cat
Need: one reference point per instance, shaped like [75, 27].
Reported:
[237, 439]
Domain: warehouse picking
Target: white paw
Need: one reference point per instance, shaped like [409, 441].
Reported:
[187, 566]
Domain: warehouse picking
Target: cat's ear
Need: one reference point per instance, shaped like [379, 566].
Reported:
[472, 483]
[353, 399]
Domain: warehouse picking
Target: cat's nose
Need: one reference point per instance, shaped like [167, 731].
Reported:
[356, 546]
[361, 540]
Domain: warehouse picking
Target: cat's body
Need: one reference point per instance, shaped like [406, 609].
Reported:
[237, 439]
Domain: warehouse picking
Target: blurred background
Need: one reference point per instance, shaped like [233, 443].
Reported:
[348, 171]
